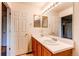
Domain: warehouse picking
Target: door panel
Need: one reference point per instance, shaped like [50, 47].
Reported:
[21, 39]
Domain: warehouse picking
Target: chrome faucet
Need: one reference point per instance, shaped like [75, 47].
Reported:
[54, 39]
[41, 32]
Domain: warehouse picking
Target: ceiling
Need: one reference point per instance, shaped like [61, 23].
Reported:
[38, 5]
[63, 6]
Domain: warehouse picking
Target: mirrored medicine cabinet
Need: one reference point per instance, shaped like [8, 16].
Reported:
[40, 21]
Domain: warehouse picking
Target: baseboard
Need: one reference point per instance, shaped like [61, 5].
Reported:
[29, 53]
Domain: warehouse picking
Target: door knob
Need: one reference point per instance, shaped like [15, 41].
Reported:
[26, 34]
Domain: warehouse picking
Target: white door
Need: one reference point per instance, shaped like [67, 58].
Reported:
[21, 37]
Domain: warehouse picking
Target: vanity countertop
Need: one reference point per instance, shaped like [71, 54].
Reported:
[62, 43]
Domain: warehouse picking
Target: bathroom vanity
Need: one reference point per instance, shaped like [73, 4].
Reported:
[41, 48]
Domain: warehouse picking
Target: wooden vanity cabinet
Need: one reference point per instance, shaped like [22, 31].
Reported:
[39, 50]
[34, 47]
[64, 53]
[46, 52]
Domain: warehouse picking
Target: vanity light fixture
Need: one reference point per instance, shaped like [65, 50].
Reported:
[50, 7]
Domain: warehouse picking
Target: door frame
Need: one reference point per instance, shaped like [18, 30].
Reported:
[0, 25]
[8, 28]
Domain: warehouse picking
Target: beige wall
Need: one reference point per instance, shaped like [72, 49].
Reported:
[76, 28]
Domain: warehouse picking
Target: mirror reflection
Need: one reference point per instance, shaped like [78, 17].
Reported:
[37, 21]
[44, 21]
[61, 18]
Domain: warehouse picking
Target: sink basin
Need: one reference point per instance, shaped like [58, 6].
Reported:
[49, 40]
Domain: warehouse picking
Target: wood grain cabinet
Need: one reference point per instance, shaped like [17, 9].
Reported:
[46, 52]
[34, 47]
[39, 50]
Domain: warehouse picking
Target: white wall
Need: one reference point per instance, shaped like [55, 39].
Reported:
[65, 12]
[53, 21]
[76, 28]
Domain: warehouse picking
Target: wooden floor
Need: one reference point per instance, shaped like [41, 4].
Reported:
[3, 51]
[30, 54]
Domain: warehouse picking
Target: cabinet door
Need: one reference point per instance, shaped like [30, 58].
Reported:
[45, 52]
[34, 47]
[38, 49]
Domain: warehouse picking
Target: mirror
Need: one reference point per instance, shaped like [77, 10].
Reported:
[37, 21]
[61, 19]
[44, 21]
[40, 21]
